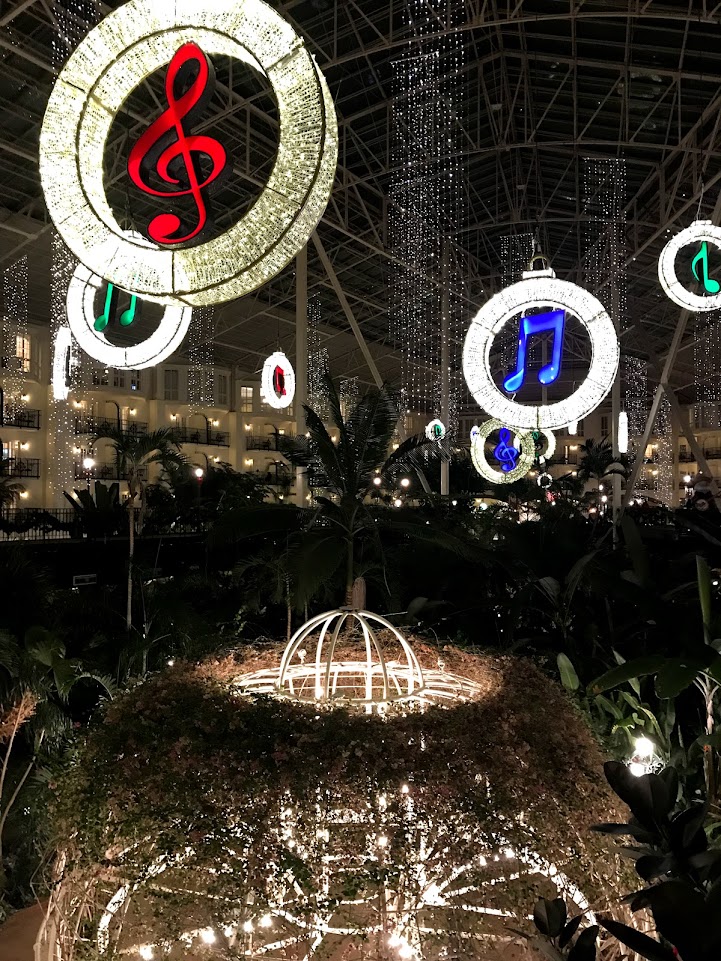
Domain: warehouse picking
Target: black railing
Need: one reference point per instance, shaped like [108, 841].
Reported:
[711, 453]
[107, 471]
[207, 436]
[21, 467]
[264, 442]
[25, 419]
[97, 425]
[29, 524]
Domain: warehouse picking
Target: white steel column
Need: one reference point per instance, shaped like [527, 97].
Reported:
[301, 363]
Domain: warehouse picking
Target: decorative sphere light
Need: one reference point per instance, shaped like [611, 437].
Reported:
[644, 747]
[541, 288]
[199, 472]
[277, 385]
[398, 502]
[436, 430]
[123, 51]
[604, 499]
[687, 479]
[377, 481]
[637, 769]
[266, 921]
[88, 463]
[207, 936]
[701, 232]
[405, 482]
[146, 952]
[247, 926]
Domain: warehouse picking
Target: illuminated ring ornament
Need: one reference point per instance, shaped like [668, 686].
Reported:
[526, 454]
[700, 231]
[81, 309]
[115, 58]
[63, 361]
[436, 430]
[544, 480]
[269, 394]
[551, 445]
[541, 288]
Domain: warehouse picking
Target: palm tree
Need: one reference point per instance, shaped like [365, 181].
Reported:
[348, 467]
[598, 461]
[134, 454]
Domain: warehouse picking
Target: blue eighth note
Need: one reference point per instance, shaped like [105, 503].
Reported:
[554, 321]
[505, 453]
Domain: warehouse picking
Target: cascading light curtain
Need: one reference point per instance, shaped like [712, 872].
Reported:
[16, 343]
[663, 462]
[61, 415]
[516, 253]
[426, 201]
[201, 371]
[707, 367]
[318, 360]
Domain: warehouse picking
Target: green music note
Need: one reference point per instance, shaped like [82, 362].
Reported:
[711, 286]
[104, 319]
[128, 316]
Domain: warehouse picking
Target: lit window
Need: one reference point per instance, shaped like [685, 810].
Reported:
[170, 383]
[222, 390]
[22, 350]
[246, 400]
[604, 426]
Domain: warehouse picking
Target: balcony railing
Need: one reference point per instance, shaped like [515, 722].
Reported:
[98, 425]
[710, 453]
[21, 467]
[103, 472]
[208, 437]
[21, 365]
[25, 419]
[264, 442]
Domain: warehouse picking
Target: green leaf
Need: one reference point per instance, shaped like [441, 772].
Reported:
[569, 678]
[704, 592]
[636, 941]
[585, 947]
[43, 646]
[609, 707]
[641, 667]
[675, 676]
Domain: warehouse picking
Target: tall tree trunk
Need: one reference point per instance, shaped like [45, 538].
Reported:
[131, 554]
[350, 565]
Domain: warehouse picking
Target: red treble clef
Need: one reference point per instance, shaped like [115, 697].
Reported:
[166, 148]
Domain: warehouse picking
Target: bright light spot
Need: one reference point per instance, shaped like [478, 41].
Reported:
[405, 789]
[207, 936]
[405, 951]
[644, 747]
[484, 507]
[454, 503]
[247, 926]
[687, 478]
[88, 463]
[604, 499]
[638, 770]
[601, 487]
[510, 853]
[146, 952]
[171, 662]
[377, 481]
[24, 495]
[228, 931]
[198, 472]
[266, 921]
[405, 482]
[395, 940]
[382, 841]
[398, 502]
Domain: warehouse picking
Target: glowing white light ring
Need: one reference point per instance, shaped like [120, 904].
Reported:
[115, 58]
[532, 292]
[63, 344]
[544, 480]
[698, 232]
[269, 396]
[430, 428]
[526, 456]
[81, 307]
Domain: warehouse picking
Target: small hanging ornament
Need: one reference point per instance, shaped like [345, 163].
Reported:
[278, 381]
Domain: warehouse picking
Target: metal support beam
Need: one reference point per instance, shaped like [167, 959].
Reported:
[301, 363]
[665, 387]
[328, 266]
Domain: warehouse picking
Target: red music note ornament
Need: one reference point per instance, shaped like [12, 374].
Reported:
[170, 151]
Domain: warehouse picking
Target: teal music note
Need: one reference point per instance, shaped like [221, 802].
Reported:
[711, 286]
[126, 318]
[103, 320]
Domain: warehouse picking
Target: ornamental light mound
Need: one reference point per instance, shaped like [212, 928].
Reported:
[541, 289]
[699, 232]
[121, 53]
